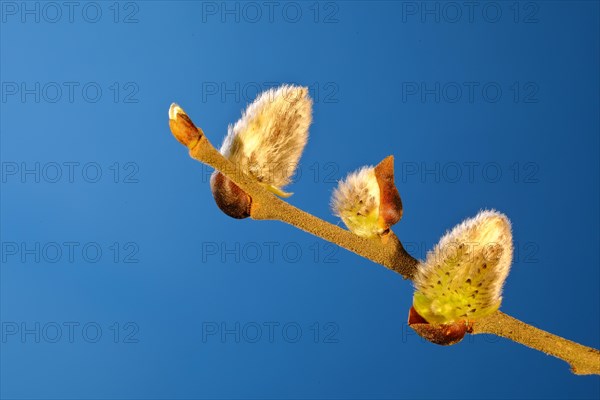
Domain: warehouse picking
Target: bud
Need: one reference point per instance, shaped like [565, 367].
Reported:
[266, 143]
[462, 277]
[367, 201]
[182, 127]
[268, 140]
[230, 199]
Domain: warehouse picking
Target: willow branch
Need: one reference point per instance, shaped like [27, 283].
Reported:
[583, 360]
[387, 251]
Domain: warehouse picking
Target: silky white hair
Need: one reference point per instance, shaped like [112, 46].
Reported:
[268, 140]
[356, 201]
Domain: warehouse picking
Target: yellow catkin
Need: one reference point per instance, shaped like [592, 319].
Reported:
[462, 277]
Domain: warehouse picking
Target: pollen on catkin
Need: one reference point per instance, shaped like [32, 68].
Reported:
[269, 138]
[356, 201]
[462, 277]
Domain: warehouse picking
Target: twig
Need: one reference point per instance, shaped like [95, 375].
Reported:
[583, 360]
[266, 206]
[387, 251]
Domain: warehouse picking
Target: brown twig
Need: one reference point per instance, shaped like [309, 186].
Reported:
[583, 360]
[387, 251]
[267, 206]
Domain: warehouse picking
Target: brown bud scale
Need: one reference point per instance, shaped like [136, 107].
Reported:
[390, 205]
[232, 200]
[442, 334]
[182, 127]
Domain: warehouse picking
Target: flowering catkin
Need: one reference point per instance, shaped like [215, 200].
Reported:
[462, 277]
[367, 201]
[356, 201]
[269, 138]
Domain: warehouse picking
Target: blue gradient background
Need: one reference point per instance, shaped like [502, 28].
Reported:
[359, 63]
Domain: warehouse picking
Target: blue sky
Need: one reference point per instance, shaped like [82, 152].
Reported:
[120, 278]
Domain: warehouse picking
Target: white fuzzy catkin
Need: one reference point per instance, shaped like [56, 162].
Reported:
[268, 140]
[356, 201]
[462, 277]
